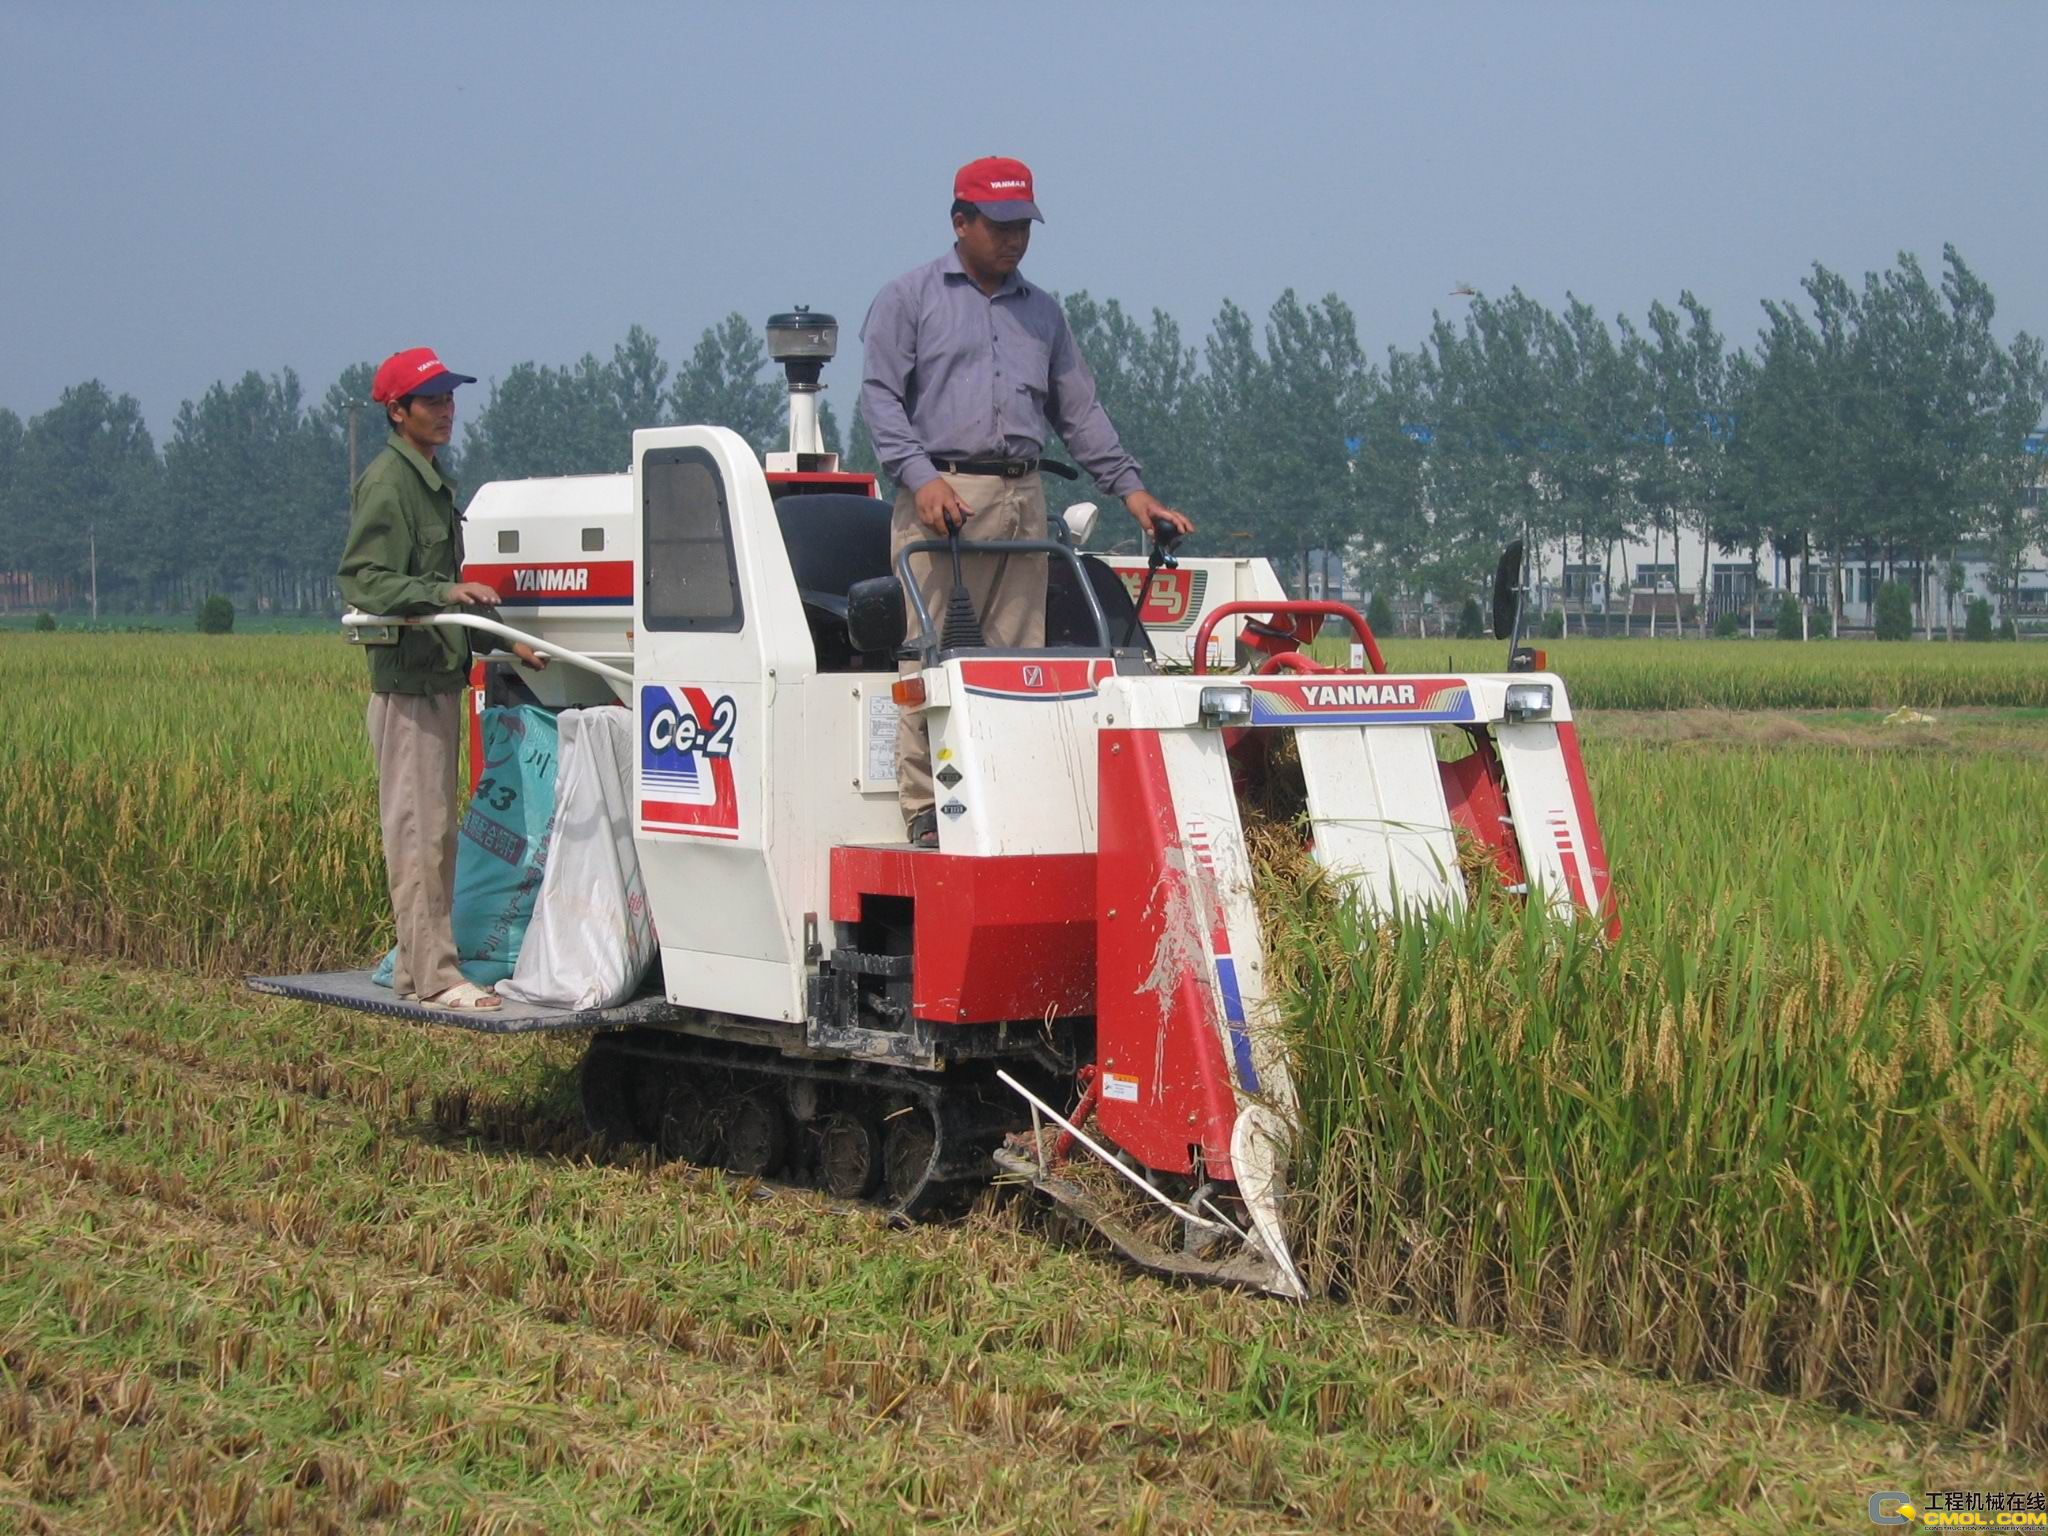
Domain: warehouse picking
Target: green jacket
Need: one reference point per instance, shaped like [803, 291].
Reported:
[404, 552]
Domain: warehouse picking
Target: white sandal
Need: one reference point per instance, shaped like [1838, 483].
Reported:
[464, 997]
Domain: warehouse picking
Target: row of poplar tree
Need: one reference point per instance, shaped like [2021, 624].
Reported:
[1876, 424]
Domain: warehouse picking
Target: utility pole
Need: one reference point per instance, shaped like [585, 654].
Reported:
[92, 565]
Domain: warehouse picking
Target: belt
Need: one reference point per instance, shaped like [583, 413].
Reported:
[1007, 469]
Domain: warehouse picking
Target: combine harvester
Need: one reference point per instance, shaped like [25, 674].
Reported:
[1080, 957]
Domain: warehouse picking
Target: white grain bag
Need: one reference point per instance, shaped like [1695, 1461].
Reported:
[592, 936]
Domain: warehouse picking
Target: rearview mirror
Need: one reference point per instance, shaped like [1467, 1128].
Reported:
[1507, 592]
[875, 619]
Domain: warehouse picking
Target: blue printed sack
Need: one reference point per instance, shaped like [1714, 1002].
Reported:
[502, 853]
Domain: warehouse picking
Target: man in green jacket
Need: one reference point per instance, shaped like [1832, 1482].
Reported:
[404, 557]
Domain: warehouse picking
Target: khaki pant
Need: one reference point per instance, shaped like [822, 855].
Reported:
[1008, 591]
[417, 739]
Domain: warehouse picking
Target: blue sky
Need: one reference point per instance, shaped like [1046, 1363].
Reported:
[191, 191]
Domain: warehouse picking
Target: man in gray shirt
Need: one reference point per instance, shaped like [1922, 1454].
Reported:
[965, 364]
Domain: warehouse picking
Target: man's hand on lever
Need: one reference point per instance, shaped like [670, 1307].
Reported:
[477, 594]
[940, 508]
[1155, 517]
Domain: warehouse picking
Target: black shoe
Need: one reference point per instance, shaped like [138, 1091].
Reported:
[924, 829]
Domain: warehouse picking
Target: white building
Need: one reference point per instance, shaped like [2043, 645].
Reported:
[1654, 578]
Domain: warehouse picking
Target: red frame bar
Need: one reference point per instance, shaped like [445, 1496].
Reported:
[1299, 605]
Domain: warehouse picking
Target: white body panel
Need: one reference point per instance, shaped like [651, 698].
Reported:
[1021, 737]
[1377, 811]
[1554, 846]
[736, 834]
[725, 834]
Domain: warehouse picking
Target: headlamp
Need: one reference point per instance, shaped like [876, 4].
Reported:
[1527, 701]
[1226, 706]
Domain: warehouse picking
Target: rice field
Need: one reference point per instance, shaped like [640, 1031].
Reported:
[1762, 674]
[1792, 1130]
[269, 1268]
[203, 802]
[1788, 1135]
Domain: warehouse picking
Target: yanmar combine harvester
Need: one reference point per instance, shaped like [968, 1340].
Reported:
[1081, 954]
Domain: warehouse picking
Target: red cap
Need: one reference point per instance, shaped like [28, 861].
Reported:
[1000, 187]
[415, 371]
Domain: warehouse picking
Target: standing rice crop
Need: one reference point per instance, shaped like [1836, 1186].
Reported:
[1790, 1130]
[1742, 674]
[201, 802]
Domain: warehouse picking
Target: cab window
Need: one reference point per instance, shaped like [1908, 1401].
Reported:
[689, 567]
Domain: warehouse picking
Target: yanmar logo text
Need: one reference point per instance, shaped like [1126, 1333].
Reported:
[576, 579]
[1356, 695]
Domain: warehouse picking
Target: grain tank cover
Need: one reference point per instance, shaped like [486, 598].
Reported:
[561, 553]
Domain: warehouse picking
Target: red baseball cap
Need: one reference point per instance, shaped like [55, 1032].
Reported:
[415, 371]
[1000, 187]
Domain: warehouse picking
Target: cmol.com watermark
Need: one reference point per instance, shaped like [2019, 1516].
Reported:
[1959, 1509]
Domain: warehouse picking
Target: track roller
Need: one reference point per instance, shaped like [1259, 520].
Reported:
[680, 1126]
[909, 1151]
[919, 1144]
[756, 1133]
[849, 1156]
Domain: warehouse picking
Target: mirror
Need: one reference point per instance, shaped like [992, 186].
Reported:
[875, 616]
[1507, 593]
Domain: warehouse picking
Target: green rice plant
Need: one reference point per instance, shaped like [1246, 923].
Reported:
[197, 801]
[1790, 1130]
[1733, 674]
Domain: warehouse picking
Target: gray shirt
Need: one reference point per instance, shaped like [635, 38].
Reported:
[952, 372]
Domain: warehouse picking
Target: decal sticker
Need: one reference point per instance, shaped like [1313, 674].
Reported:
[556, 584]
[1034, 682]
[686, 746]
[1197, 834]
[1567, 854]
[1406, 701]
[1120, 1086]
[1171, 599]
[881, 740]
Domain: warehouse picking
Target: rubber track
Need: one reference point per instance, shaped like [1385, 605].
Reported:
[971, 1113]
